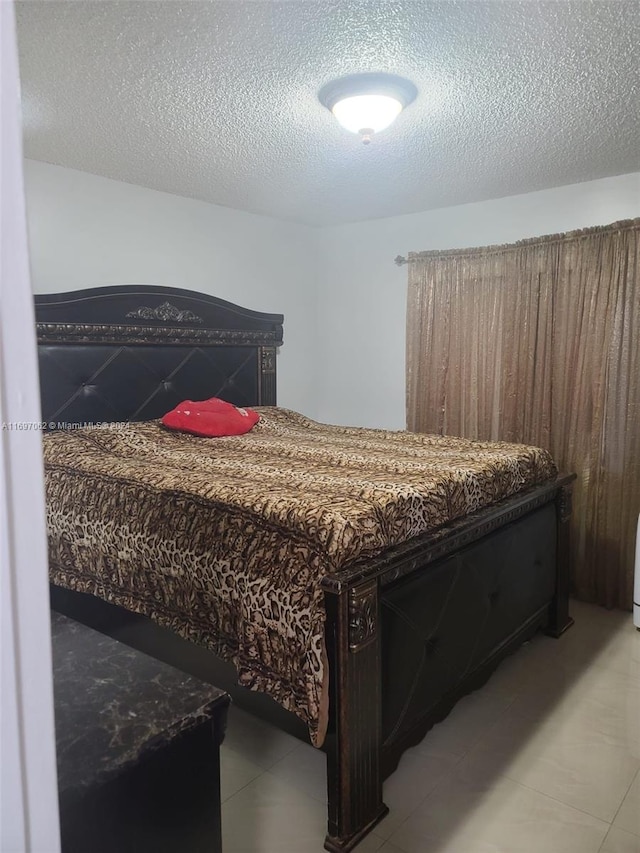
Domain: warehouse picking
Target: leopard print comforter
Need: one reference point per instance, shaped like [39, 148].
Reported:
[225, 540]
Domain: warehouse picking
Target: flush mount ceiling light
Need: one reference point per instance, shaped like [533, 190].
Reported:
[367, 103]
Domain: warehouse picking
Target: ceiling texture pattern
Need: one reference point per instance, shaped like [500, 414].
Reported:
[218, 100]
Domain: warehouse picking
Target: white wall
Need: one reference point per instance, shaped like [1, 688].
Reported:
[87, 231]
[342, 296]
[362, 294]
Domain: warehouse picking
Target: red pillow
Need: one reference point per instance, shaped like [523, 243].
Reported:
[210, 417]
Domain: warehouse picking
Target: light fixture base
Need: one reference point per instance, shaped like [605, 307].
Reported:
[370, 83]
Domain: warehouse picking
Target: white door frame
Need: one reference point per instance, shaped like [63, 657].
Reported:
[28, 787]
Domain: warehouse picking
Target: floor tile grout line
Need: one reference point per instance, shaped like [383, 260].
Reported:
[283, 756]
[228, 748]
[616, 829]
[250, 782]
[529, 788]
[626, 794]
[313, 796]
[253, 760]
[445, 778]
[298, 791]
[477, 740]
[563, 802]
[580, 670]
[604, 840]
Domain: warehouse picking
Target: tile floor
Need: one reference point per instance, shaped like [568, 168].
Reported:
[544, 759]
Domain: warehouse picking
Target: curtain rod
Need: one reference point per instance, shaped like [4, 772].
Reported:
[549, 239]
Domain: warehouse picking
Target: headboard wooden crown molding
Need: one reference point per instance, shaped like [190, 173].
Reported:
[154, 312]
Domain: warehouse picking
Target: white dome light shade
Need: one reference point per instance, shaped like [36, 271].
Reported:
[367, 103]
[367, 114]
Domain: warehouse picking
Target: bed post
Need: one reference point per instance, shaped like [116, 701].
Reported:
[354, 777]
[559, 619]
[267, 377]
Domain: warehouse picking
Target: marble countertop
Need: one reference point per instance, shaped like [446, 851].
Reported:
[114, 704]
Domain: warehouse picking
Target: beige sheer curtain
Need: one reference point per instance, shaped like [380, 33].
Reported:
[539, 342]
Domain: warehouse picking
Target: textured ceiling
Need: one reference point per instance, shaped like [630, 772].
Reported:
[218, 100]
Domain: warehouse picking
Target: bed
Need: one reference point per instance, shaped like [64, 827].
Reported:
[409, 625]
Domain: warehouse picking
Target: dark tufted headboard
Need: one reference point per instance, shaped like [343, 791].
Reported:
[132, 352]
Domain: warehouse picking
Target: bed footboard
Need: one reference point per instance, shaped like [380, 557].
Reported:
[411, 633]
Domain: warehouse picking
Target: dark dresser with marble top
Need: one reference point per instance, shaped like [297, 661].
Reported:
[137, 748]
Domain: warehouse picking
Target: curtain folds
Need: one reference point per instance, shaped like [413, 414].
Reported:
[539, 342]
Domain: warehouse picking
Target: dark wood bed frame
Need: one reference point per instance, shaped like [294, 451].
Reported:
[407, 633]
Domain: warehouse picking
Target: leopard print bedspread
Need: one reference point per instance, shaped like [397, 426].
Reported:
[225, 540]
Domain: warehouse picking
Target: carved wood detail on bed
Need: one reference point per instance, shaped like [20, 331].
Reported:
[101, 333]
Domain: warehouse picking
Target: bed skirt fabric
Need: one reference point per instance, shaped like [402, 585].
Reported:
[226, 540]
